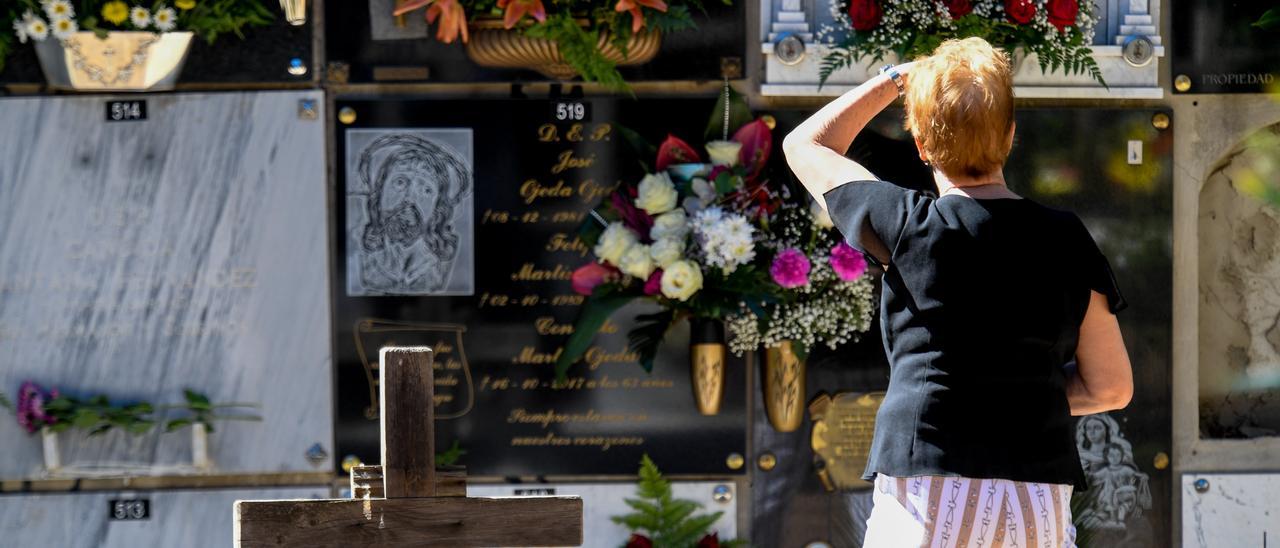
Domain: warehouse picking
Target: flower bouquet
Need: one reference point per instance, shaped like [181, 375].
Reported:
[588, 37]
[1059, 32]
[685, 238]
[126, 32]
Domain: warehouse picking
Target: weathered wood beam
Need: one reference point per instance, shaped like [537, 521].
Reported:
[407, 422]
[451, 481]
[435, 521]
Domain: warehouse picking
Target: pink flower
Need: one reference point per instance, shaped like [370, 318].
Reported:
[675, 151]
[635, 218]
[790, 268]
[756, 142]
[31, 400]
[848, 263]
[653, 285]
[588, 276]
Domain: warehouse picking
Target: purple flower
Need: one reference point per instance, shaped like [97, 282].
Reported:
[31, 399]
[847, 262]
[790, 268]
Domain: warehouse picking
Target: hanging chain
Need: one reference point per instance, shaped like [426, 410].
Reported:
[725, 136]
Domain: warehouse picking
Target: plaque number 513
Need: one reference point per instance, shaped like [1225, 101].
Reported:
[130, 509]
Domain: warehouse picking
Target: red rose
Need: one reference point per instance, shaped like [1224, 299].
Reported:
[959, 8]
[1062, 13]
[1020, 11]
[864, 14]
[638, 540]
[711, 540]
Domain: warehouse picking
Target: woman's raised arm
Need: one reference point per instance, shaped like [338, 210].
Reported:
[815, 149]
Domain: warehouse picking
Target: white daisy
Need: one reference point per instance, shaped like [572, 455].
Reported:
[63, 28]
[20, 30]
[37, 29]
[59, 9]
[140, 17]
[165, 19]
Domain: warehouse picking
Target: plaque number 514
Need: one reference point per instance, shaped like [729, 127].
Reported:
[122, 111]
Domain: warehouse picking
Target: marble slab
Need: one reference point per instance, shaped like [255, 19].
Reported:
[1233, 510]
[187, 250]
[600, 501]
[187, 519]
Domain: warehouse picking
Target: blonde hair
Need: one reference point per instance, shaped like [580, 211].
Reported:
[960, 106]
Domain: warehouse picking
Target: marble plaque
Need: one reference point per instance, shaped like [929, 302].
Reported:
[1230, 510]
[179, 518]
[188, 250]
[409, 212]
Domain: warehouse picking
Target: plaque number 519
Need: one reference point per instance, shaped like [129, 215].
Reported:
[571, 111]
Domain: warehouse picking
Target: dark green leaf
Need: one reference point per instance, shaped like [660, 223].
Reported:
[646, 337]
[1270, 20]
[591, 317]
[176, 424]
[739, 115]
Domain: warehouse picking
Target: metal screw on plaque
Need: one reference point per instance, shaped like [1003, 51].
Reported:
[1182, 82]
[297, 67]
[731, 67]
[766, 461]
[307, 109]
[734, 461]
[1138, 51]
[1161, 461]
[722, 494]
[347, 115]
[789, 49]
[1160, 120]
[1201, 485]
[316, 454]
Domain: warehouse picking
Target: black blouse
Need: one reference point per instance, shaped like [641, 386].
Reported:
[981, 306]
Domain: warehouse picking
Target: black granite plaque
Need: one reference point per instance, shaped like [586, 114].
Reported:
[263, 56]
[685, 55]
[512, 183]
[1074, 159]
[1226, 47]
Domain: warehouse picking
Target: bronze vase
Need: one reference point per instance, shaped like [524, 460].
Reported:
[784, 387]
[706, 363]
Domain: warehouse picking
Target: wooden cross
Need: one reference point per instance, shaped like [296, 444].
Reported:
[416, 505]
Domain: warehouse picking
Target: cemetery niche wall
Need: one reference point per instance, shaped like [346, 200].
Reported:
[1226, 47]
[798, 36]
[1079, 159]
[366, 43]
[506, 183]
[143, 257]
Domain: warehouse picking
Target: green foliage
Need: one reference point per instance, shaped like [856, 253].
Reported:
[1073, 56]
[97, 415]
[208, 19]
[1270, 20]
[667, 521]
[739, 115]
[648, 334]
[602, 304]
[211, 18]
[205, 412]
[577, 46]
[451, 455]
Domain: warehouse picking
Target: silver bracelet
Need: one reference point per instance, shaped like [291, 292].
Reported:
[897, 78]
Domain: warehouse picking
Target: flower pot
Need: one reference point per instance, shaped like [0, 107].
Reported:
[706, 363]
[200, 447]
[491, 45]
[783, 387]
[123, 61]
[49, 445]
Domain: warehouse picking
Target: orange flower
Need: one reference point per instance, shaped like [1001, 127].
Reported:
[453, 22]
[633, 6]
[516, 10]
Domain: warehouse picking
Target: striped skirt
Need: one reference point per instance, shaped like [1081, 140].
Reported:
[946, 512]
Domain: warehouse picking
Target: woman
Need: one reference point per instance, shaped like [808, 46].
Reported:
[986, 296]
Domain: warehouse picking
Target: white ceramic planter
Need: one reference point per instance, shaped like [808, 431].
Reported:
[123, 61]
[200, 447]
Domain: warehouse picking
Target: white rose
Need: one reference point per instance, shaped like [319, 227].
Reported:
[614, 242]
[636, 262]
[656, 193]
[681, 280]
[666, 251]
[724, 153]
[820, 216]
[703, 189]
[670, 225]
